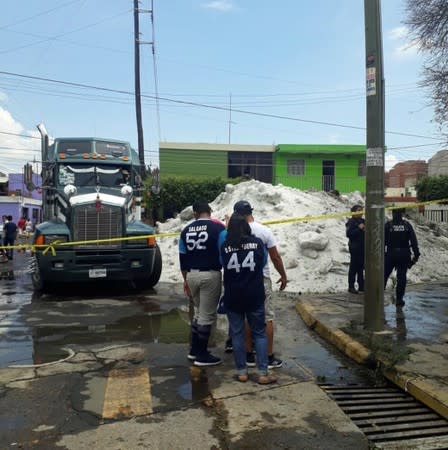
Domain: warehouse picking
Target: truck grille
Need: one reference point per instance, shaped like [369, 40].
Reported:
[90, 224]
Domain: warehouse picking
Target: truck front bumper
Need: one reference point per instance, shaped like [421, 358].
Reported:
[72, 265]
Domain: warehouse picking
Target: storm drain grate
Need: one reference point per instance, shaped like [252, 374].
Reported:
[387, 414]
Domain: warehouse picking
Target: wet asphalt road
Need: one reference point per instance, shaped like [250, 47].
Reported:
[111, 328]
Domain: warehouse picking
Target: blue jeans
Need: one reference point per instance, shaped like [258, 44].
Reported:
[8, 241]
[256, 321]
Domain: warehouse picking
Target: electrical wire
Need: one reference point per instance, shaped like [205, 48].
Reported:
[156, 77]
[47, 11]
[220, 108]
[52, 38]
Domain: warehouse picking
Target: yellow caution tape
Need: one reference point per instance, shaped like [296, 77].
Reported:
[348, 214]
[52, 247]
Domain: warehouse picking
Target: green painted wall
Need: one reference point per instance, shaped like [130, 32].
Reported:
[213, 163]
[197, 163]
[346, 158]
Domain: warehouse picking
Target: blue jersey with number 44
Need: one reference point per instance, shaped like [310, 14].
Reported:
[243, 274]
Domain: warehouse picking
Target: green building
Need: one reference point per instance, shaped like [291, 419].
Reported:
[319, 167]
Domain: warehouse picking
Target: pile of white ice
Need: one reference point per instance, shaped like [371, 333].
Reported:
[314, 252]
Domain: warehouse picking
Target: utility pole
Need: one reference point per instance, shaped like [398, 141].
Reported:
[138, 102]
[374, 246]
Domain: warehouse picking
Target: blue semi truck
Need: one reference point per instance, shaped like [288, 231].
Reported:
[91, 197]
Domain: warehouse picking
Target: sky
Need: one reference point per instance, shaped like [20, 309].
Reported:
[295, 59]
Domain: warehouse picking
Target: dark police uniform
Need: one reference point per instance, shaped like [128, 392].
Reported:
[399, 236]
[356, 248]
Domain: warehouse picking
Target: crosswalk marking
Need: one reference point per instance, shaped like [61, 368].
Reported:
[128, 393]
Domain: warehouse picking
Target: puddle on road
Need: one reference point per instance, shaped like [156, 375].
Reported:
[197, 388]
[425, 315]
[36, 345]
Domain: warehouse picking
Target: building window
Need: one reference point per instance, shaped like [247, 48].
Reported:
[362, 170]
[296, 167]
[256, 165]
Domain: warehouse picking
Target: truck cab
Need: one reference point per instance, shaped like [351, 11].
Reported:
[92, 229]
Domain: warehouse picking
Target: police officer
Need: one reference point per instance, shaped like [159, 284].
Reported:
[355, 233]
[201, 270]
[399, 236]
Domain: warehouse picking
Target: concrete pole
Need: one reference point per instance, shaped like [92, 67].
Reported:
[374, 247]
[138, 102]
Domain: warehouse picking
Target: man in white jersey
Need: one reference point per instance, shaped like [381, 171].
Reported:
[265, 234]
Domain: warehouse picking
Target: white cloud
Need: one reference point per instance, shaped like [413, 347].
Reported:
[220, 5]
[15, 151]
[3, 97]
[334, 139]
[390, 161]
[398, 33]
[407, 50]
[403, 46]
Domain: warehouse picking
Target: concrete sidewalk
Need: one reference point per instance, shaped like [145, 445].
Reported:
[412, 352]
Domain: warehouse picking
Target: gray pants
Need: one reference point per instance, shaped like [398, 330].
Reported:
[205, 290]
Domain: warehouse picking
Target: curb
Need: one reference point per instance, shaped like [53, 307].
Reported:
[420, 389]
[416, 386]
[337, 337]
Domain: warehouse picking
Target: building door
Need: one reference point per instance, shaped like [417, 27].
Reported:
[327, 175]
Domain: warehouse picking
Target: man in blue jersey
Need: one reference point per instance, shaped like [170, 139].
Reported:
[201, 270]
[244, 208]
[243, 257]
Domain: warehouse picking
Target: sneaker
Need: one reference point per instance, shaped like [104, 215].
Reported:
[250, 360]
[228, 347]
[191, 357]
[208, 360]
[274, 363]
[352, 291]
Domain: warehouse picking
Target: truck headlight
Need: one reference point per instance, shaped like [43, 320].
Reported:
[142, 241]
[46, 239]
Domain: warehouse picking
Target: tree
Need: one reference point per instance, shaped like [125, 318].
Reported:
[428, 26]
[432, 188]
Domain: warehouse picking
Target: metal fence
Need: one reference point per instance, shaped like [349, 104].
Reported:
[436, 213]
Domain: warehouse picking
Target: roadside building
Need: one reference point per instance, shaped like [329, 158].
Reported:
[438, 164]
[321, 167]
[401, 180]
[216, 160]
[316, 167]
[16, 200]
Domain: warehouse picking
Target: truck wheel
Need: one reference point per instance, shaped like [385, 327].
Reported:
[153, 279]
[36, 279]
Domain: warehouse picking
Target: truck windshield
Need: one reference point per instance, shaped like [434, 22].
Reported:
[95, 175]
[77, 148]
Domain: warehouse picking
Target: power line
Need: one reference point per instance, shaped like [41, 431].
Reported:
[19, 135]
[20, 149]
[63, 5]
[154, 64]
[220, 108]
[52, 38]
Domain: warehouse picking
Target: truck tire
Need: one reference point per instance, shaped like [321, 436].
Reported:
[153, 279]
[38, 283]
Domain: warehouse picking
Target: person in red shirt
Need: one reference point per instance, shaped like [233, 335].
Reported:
[21, 223]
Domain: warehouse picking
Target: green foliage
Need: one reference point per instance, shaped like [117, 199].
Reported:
[432, 188]
[176, 193]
